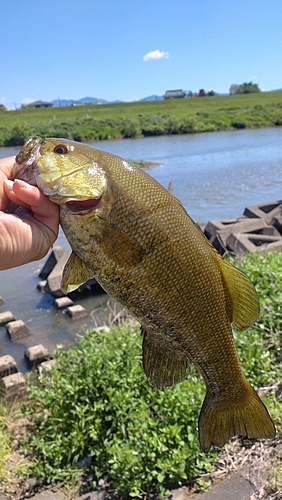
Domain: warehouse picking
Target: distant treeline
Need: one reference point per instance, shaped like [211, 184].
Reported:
[141, 119]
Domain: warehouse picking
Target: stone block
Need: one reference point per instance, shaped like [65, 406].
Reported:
[46, 366]
[214, 226]
[17, 330]
[41, 286]
[202, 226]
[13, 386]
[77, 312]
[36, 354]
[240, 243]
[62, 302]
[277, 223]
[8, 366]
[53, 285]
[265, 211]
[55, 255]
[6, 317]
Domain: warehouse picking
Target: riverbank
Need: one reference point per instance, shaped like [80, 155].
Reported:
[143, 118]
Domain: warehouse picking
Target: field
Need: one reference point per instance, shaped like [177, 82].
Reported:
[141, 119]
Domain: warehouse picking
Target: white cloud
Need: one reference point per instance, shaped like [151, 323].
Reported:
[154, 55]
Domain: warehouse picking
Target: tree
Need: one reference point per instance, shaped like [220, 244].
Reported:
[244, 88]
[233, 88]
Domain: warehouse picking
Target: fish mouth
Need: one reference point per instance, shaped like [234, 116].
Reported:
[81, 207]
[26, 161]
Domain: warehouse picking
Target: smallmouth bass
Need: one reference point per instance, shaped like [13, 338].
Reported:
[140, 244]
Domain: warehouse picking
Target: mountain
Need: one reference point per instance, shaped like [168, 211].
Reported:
[84, 100]
[152, 98]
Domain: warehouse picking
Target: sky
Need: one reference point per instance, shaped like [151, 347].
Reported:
[130, 49]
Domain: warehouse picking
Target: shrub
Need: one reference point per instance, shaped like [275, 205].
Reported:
[97, 401]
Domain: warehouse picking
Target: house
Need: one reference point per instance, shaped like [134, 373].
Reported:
[174, 94]
[40, 104]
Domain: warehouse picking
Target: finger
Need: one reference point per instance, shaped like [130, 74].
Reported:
[11, 195]
[6, 165]
[44, 210]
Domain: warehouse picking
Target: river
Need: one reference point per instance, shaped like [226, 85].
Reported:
[215, 175]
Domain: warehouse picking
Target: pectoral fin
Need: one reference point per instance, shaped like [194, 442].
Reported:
[245, 303]
[161, 366]
[117, 245]
[75, 274]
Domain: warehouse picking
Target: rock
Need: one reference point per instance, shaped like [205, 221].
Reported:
[1, 301]
[54, 257]
[6, 317]
[17, 330]
[13, 385]
[77, 312]
[36, 355]
[63, 302]
[8, 366]
[53, 285]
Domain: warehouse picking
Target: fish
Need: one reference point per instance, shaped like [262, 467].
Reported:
[137, 240]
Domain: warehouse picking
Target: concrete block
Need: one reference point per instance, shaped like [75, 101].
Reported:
[242, 243]
[6, 317]
[77, 312]
[8, 365]
[41, 286]
[13, 386]
[46, 366]
[202, 226]
[36, 354]
[54, 257]
[265, 211]
[214, 226]
[17, 330]
[62, 302]
[277, 223]
[53, 285]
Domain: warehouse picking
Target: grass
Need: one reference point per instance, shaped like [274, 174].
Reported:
[137, 119]
[96, 409]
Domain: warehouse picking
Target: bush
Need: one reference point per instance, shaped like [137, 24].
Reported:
[97, 401]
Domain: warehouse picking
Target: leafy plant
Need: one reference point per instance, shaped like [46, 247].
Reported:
[97, 402]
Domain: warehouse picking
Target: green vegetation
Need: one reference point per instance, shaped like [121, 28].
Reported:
[96, 402]
[244, 88]
[141, 119]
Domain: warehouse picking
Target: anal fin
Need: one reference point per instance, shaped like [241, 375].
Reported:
[162, 367]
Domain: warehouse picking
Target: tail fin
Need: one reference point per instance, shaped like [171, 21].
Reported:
[221, 420]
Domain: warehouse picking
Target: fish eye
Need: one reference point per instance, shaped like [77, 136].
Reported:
[61, 149]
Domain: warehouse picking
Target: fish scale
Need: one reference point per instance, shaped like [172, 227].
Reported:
[139, 243]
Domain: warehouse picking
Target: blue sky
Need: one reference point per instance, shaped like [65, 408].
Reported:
[99, 48]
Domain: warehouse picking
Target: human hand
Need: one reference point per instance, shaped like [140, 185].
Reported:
[29, 221]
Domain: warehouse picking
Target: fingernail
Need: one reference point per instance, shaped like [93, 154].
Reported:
[9, 183]
[21, 183]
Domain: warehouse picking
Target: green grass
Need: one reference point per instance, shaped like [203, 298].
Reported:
[137, 119]
[97, 402]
